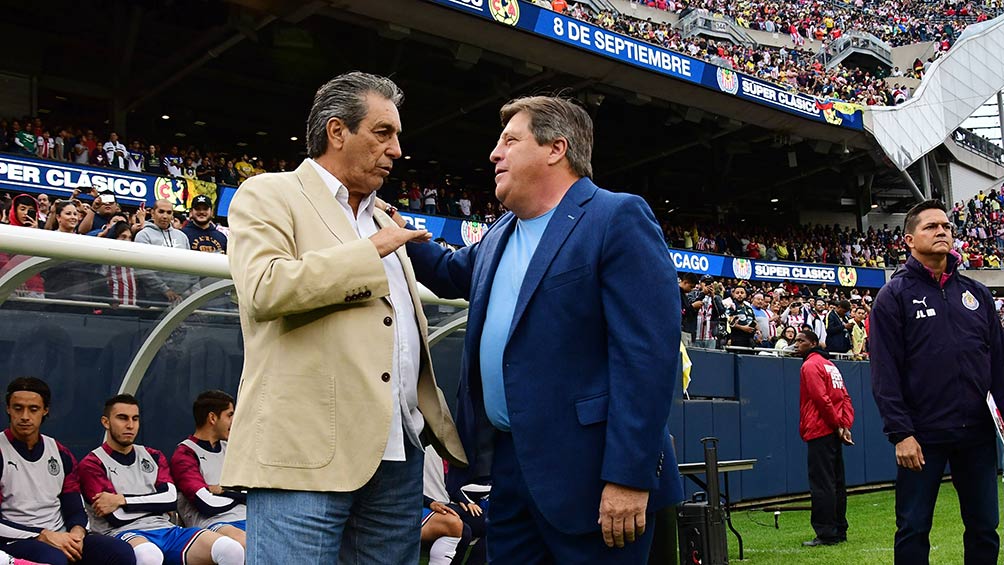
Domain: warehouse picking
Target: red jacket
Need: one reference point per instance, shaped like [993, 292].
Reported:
[824, 404]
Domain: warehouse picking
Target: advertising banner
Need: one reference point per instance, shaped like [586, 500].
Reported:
[587, 37]
[28, 174]
[776, 271]
[454, 231]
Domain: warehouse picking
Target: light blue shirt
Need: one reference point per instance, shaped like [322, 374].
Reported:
[501, 307]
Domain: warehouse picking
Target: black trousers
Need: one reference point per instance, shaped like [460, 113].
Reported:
[828, 488]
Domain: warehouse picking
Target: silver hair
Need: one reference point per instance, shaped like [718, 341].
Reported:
[344, 97]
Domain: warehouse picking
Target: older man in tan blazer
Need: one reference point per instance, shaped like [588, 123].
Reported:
[337, 395]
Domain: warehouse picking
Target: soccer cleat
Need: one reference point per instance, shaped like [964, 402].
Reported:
[819, 541]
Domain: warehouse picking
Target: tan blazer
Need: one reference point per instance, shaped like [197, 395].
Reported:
[314, 404]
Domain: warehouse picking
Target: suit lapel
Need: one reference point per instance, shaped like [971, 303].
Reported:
[567, 214]
[327, 207]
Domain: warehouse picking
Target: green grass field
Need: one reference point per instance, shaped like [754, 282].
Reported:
[872, 523]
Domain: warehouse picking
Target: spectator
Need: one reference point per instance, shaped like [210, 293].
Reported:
[173, 162]
[152, 162]
[81, 155]
[136, 158]
[160, 232]
[24, 140]
[202, 233]
[742, 320]
[763, 318]
[429, 195]
[859, 334]
[99, 213]
[414, 198]
[116, 153]
[838, 327]
[65, 217]
[816, 320]
[43, 208]
[121, 280]
[691, 303]
[244, 169]
[45, 146]
[465, 205]
[786, 340]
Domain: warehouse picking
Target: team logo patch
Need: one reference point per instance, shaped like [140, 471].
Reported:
[969, 301]
[53, 466]
[848, 276]
[146, 466]
[472, 232]
[742, 268]
[505, 11]
[728, 80]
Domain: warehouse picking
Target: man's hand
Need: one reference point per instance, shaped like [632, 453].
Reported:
[172, 297]
[65, 542]
[215, 489]
[909, 454]
[104, 503]
[622, 514]
[388, 239]
[440, 508]
[845, 436]
[29, 222]
[473, 508]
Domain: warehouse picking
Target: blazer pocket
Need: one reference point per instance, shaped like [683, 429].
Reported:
[566, 277]
[296, 426]
[592, 410]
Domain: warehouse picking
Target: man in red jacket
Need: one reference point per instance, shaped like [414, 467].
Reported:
[825, 420]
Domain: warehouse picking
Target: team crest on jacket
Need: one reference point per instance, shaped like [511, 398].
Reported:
[969, 301]
[53, 466]
[146, 466]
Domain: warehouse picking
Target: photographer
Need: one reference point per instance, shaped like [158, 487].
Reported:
[691, 302]
[712, 325]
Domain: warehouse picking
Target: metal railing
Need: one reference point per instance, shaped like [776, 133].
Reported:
[698, 23]
[855, 41]
[42, 250]
[979, 144]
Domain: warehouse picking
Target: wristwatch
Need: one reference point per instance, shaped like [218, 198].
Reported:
[391, 210]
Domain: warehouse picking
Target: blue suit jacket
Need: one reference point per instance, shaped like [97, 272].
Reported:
[590, 366]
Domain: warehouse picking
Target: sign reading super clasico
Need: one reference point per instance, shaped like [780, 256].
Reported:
[31, 175]
[775, 271]
[570, 31]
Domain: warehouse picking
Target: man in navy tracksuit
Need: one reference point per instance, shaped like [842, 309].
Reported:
[936, 349]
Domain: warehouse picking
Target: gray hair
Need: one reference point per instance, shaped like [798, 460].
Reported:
[344, 97]
[553, 118]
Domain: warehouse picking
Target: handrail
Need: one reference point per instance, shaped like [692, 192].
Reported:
[104, 251]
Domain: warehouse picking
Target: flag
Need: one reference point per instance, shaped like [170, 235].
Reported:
[686, 364]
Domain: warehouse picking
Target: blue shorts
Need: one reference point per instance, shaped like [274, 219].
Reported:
[426, 515]
[239, 524]
[173, 542]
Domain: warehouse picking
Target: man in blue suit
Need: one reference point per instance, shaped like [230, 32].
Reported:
[571, 353]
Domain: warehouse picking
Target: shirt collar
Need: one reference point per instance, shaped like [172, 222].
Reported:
[340, 191]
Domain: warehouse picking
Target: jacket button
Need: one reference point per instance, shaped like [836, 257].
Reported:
[388, 321]
[385, 377]
[368, 294]
[348, 299]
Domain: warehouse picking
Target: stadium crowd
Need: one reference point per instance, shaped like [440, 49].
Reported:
[792, 67]
[897, 22]
[979, 239]
[31, 136]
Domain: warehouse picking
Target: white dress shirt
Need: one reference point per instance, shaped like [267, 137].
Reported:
[407, 420]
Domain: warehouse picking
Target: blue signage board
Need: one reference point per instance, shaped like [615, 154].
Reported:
[775, 271]
[582, 35]
[31, 175]
[454, 231]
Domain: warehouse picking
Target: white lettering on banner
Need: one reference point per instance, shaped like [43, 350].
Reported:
[781, 272]
[780, 97]
[640, 53]
[472, 4]
[70, 179]
[417, 223]
[690, 262]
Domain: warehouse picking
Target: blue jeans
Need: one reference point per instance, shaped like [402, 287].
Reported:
[378, 524]
[974, 474]
[519, 533]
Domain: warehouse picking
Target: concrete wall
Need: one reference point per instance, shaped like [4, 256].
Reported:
[16, 95]
[966, 182]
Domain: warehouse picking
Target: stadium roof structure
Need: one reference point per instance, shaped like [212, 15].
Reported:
[240, 75]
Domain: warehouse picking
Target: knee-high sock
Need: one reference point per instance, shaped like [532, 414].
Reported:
[443, 551]
[465, 542]
[227, 551]
[148, 554]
